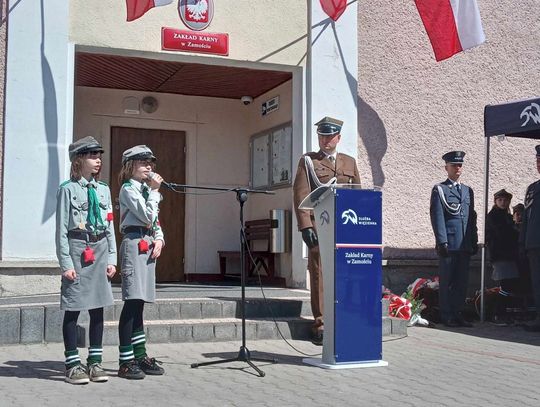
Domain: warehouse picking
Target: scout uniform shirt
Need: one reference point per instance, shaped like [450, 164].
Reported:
[344, 169]
[72, 214]
[137, 210]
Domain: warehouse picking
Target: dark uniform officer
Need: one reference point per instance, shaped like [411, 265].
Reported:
[315, 169]
[454, 224]
[530, 240]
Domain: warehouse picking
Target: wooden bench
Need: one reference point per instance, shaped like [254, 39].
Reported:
[263, 260]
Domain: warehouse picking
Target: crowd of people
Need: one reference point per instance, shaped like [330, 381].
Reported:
[87, 253]
[512, 240]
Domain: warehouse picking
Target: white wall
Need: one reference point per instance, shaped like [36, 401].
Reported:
[272, 31]
[332, 73]
[37, 127]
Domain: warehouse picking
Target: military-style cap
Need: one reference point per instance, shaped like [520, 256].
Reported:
[85, 145]
[519, 208]
[502, 194]
[140, 152]
[538, 150]
[454, 157]
[328, 126]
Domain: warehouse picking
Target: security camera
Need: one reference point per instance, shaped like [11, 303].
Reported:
[246, 100]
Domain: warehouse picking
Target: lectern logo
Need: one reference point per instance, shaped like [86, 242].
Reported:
[531, 112]
[349, 216]
[325, 218]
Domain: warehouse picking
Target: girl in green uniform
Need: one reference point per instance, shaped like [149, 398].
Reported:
[86, 251]
[141, 245]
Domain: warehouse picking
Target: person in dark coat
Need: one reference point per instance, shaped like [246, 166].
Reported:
[530, 240]
[502, 240]
[456, 238]
[524, 289]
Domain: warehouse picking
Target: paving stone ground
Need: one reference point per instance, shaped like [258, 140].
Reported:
[485, 365]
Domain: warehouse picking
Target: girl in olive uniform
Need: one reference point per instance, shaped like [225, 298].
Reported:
[141, 246]
[86, 251]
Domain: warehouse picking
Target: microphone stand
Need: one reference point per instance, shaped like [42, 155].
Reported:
[244, 355]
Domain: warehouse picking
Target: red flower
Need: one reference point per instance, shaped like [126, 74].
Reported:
[110, 217]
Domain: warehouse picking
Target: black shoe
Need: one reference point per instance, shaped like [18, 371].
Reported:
[317, 338]
[150, 366]
[131, 371]
[502, 321]
[532, 328]
[451, 323]
[464, 324]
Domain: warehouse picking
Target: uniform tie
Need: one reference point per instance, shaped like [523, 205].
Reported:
[94, 212]
[332, 159]
[145, 192]
[458, 188]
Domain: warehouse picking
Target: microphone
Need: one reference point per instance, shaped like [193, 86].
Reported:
[166, 184]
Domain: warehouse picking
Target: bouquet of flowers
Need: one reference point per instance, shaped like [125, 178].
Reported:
[416, 307]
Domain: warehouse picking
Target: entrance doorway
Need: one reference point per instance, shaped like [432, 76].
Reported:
[169, 148]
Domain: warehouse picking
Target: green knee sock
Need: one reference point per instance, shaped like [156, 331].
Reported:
[125, 354]
[138, 340]
[94, 355]
[72, 358]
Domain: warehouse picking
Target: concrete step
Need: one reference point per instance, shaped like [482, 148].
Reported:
[42, 322]
[226, 329]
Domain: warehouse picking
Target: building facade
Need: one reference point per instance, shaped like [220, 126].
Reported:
[78, 68]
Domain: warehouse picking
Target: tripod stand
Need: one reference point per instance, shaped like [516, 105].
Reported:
[244, 355]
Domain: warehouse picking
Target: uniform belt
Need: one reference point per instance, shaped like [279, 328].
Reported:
[86, 236]
[141, 230]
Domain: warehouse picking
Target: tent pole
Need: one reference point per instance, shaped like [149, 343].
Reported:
[484, 252]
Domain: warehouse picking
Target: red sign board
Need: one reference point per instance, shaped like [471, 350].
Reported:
[194, 41]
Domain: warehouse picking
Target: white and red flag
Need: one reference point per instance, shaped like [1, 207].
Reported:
[452, 25]
[137, 8]
[334, 8]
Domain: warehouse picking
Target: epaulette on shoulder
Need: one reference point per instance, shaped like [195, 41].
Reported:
[103, 183]
[65, 183]
[127, 183]
[346, 155]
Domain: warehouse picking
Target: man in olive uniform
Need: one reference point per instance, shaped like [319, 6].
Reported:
[454, 224]
[530, 240]
[314, 169]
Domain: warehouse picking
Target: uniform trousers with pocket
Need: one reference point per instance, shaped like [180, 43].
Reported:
[453, 282]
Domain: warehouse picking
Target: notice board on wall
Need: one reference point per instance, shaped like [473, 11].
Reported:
[271, 157]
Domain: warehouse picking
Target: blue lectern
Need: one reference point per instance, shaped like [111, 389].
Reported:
[349, 227]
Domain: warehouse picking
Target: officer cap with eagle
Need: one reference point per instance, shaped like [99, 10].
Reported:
[454, 157]
[328, 126]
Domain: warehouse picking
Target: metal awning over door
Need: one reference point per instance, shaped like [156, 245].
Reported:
[153, 75]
